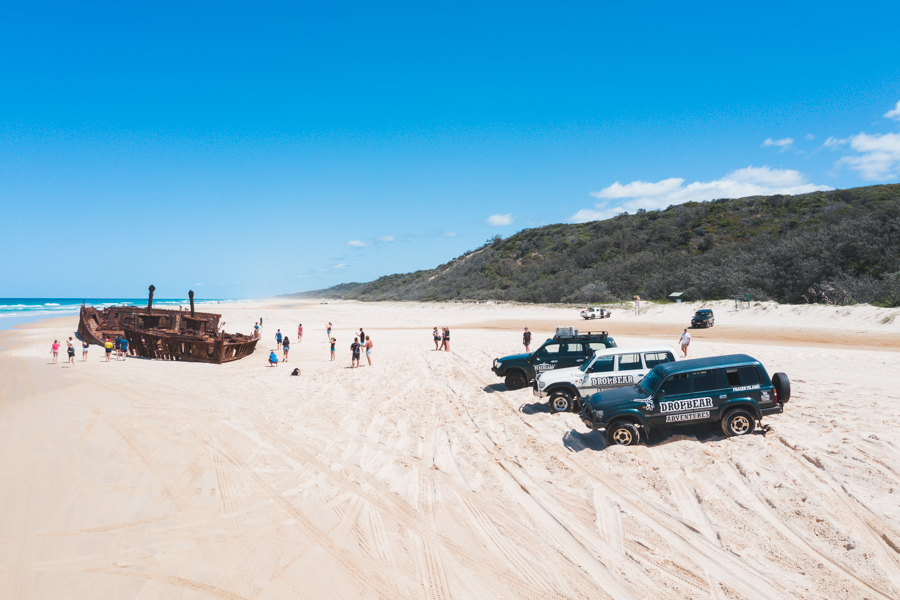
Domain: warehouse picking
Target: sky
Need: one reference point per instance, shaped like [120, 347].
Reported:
[250, 150]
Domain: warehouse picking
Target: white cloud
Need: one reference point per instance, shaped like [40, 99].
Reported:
[751, 181]
[356, 243]
[500, 220]
[782, 143]
[878, 156]
[340, 266]
[387, 238]
[810, 137]
[449, 234]
[894, 113]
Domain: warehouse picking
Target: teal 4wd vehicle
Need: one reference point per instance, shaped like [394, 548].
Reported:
[733, 389]
[567, 348]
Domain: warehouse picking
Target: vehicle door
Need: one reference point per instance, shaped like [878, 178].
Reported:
[571, 354]
[710, 391]
[651, 359]
[629, 369]
[597, 376]
[670, 400]
[546, 358]
[745, 382]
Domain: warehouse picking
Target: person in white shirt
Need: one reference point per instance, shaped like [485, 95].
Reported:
[685, 342]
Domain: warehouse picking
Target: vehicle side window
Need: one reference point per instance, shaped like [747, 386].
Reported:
[742, 376]
[706, 381]
[630, 362]
[677, 384]
[573, 349]
[604, 364]
[657, 358]
[549, 350]
[594, 346]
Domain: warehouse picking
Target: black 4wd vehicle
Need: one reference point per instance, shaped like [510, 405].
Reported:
[734, 389]
[561, 351]
[703, 318]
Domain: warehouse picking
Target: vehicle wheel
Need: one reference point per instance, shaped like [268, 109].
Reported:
[782, 387]
[738, 422]
[622, 433]
[560, 401]
[515, 381]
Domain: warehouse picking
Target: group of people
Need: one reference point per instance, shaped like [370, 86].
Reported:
[360, 343]
[120, 345]
[283, 342]
[441, 339]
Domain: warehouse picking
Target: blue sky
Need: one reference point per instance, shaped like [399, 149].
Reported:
[247, 151]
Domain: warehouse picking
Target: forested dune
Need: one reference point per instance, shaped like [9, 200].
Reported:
[837, 246]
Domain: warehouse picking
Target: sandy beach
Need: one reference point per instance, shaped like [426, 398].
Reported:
[423, 477]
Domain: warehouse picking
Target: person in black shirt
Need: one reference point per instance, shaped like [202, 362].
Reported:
[526, 339]
[354, 348]
[362, 336]
[286, 346]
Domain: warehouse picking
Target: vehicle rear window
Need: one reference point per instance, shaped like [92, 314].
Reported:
[677, 384]
[705, 381]
[742, 376]
[657, 358]
[604, 364]
[630, 362]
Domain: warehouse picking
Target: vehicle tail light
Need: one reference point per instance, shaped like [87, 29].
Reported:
[775, 393]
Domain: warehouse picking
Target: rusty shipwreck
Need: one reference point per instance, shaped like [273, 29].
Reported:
[165, 334]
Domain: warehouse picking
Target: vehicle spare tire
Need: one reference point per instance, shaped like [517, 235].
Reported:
[782, 387]
[515, 381]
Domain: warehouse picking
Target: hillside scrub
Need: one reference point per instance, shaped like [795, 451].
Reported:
[786, 248]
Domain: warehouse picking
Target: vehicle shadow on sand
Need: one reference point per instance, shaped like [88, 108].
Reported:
[577, 441]
[495, 387]
[534, 408]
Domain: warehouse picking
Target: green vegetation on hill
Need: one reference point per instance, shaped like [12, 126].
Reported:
[842, 245]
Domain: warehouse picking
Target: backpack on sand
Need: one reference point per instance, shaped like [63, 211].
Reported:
[295, 373]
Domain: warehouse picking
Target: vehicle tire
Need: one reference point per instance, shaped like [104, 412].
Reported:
[560, 401]
[782, 387]
[515, 381]
[738, 422]
[622, 433]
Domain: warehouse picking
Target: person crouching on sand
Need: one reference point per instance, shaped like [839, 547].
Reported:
[273, 359]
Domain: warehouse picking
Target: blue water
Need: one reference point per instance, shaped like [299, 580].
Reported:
[14, 311]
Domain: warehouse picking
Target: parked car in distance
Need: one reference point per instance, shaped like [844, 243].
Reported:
[609, 368]
[594, 312]
[703, 318]
[735, 390]
[568, 348]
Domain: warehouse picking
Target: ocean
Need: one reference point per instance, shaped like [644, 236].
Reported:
[14, 311]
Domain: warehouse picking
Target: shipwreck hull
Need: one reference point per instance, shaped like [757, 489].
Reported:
[172, 345]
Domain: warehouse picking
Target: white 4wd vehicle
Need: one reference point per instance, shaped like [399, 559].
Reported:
[609, 368]
[595, 313]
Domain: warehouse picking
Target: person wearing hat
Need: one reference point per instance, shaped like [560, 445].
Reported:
[526, 339]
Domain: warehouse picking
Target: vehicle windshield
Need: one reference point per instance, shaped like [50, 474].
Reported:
[587, 365]
[649, 383]
[703, 313]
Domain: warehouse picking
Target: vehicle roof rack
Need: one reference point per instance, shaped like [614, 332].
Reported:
[574, 334]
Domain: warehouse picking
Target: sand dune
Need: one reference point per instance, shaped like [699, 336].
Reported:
[422, 477]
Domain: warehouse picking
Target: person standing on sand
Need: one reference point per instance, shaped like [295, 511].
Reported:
[437, 339]
[328, 330]
[278, 339]
[117, 344]
[685, 342]
[123, 346]
[286, 346]
[354, 357]
[108, 346]
[369, 350]
[300, 333]
[54, 350]
[526, 340]
[256, 329]
[362, 336]
[84, 349]
[446, 339]
[70, 350]
[333, 342]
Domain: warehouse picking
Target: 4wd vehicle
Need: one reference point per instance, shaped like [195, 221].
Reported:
[595, 313]
[609, 368]
[733, 389]
[567, 348]
[703, 318]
